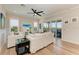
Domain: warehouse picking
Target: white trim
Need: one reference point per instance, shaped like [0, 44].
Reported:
[73, 42]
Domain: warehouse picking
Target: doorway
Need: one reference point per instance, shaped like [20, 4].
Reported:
[56, 28]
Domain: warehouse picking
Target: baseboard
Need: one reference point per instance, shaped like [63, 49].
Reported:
[10, 47]
[73, 42]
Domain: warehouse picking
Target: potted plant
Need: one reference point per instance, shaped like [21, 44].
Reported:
[14, 29]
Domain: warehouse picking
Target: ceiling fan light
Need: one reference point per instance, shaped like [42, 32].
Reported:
[35, 14]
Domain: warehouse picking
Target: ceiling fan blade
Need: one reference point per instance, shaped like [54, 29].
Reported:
[37, 13]
[40, 12]
[34, 10]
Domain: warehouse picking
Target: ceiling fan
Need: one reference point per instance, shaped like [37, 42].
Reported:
[35, 12]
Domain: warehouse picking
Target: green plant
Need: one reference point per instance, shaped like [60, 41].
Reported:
[14, 29]
[45, 29]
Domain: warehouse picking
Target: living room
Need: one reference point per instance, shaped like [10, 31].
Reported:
[38, 23]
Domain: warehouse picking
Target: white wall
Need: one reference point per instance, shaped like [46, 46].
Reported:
[3, 43]
[3, 34]
[70, 31]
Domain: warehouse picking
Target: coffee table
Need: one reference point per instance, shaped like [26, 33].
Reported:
[22, 46]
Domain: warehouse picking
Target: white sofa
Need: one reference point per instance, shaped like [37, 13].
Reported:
[12, 39]
[37, 40]
[40, 40]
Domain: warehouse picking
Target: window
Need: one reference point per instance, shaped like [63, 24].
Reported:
[45, 27]
[59, 25]
[35, 26]
[53, 26]
[27, 27]
[14, 25]
[56, 25]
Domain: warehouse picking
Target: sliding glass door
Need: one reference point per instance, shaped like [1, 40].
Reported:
[56, 28]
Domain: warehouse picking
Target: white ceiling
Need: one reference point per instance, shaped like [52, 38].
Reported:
[49, 9]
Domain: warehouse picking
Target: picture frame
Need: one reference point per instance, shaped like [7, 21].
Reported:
[74, 19]
[66, 22]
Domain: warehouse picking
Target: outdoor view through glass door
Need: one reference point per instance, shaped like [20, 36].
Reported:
[56, 28]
